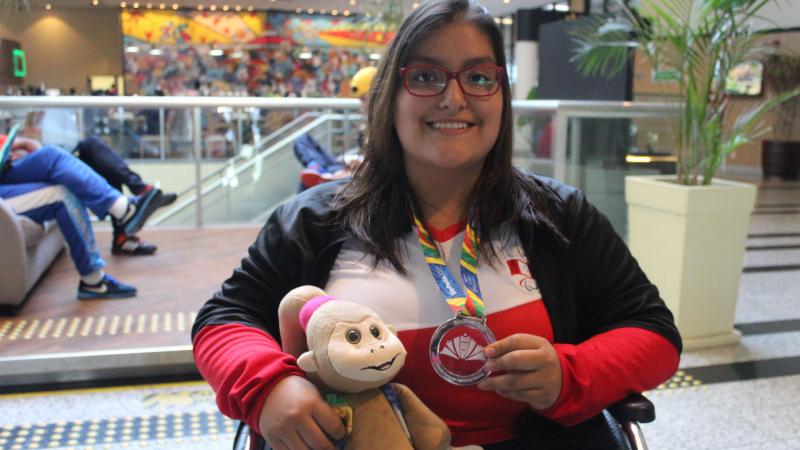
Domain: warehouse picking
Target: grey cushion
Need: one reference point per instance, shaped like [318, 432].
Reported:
[32, 231]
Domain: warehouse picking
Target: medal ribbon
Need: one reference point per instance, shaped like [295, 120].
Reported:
[471, 302]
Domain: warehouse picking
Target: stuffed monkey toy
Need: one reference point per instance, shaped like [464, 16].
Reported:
[351, 355]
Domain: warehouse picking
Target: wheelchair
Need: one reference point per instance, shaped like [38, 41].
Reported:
[623, 418]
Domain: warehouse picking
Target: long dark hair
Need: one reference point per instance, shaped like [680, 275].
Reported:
[375, 205]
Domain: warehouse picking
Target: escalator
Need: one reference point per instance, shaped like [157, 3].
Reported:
[252, 184]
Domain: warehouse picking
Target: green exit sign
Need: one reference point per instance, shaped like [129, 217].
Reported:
[20, 67]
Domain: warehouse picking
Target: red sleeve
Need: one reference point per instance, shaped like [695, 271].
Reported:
[242, 364]
[608, 367]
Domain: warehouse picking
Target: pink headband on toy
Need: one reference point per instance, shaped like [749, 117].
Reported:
[310, 307]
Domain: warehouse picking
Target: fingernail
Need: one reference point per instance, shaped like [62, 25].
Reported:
[489, 351]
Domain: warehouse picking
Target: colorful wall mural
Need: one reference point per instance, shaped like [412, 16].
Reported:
[245, 53]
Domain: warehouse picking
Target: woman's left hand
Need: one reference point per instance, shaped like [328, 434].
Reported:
[532, 370]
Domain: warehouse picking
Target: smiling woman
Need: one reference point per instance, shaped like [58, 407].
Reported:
[434, 232]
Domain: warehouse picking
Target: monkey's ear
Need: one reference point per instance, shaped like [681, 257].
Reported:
[307, 362]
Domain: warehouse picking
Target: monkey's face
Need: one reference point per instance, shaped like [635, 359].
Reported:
[365, 351]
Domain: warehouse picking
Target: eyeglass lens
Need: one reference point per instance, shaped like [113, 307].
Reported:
[478, 81]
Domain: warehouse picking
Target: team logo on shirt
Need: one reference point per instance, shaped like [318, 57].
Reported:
[521, 273]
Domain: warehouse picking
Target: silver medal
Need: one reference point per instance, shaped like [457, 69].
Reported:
[456, 350]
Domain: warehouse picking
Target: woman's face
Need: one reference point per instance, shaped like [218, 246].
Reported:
[450, 131]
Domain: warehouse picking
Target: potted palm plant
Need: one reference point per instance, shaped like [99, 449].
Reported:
[688, 231]
[780, 155]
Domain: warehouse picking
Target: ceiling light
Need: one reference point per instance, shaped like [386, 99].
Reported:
[304, 55]
[311, 10]
[48, 6]
[415, 5]
[162, 6]
[216, 52]
[175, 6]
[508, 21]
[335, 12]
[374, 56]
[200, 7]
[123, 5]
[346, 12]
[298, 10]
[95, 2]
[561, 7]
[353, 2]
[132, 49]
[155, 51]
[135, 5]
[238, 7]
[149, 6]
[213, 7]
[225, 7]
[250, 8]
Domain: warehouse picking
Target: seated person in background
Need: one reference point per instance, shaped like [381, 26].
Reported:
[50, 183]
[105, 161]
[320, 165]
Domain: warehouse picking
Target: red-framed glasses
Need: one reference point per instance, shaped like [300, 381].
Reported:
[427, 80]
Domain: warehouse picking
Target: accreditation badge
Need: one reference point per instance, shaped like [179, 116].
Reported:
[456, 350]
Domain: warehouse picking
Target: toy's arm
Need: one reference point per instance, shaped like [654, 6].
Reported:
[428, 431]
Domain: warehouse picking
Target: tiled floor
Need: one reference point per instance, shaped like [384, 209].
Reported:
[731, 397]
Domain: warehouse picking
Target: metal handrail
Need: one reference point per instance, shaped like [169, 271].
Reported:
[261, 144]
[572, 107]
[564, 160]
[180, 102]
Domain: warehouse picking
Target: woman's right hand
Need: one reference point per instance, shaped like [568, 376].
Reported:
[295, 417]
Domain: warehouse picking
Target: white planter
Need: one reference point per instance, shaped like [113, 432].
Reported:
[690, 242]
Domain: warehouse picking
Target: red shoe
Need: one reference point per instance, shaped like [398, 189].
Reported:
[132, 246]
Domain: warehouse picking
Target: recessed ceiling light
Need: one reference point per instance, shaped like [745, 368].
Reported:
[48, 6]
[123, 5]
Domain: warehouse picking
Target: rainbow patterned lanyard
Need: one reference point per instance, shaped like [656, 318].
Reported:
[471, 303]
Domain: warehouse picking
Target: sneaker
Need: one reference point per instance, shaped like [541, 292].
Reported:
[167, 199]
[108, 287]
[139, 209]
[131, 245]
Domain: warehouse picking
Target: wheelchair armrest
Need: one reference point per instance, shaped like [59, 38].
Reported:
[635, 407]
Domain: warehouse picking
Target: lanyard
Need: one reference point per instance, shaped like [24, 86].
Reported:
[471, 303]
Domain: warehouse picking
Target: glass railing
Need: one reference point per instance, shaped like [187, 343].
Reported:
[236, 162]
